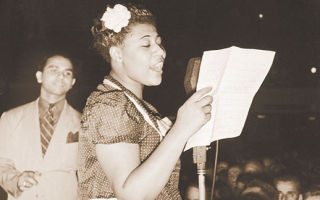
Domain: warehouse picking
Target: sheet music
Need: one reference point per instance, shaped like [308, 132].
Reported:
[235, 75]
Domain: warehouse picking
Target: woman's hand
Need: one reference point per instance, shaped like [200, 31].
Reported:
[195, 112]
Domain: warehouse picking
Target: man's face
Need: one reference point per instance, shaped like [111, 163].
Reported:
[56, 77]
[288, 190]
[233, 174]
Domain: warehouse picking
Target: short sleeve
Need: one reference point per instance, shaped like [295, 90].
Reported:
[111, 118]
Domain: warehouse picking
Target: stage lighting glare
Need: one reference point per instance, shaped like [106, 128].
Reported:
[261, 116]
[311, 118]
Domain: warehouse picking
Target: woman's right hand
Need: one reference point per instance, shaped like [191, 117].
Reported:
[195, 112]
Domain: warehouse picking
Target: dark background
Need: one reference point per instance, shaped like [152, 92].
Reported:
[289, 97]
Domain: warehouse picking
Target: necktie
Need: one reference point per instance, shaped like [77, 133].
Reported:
[47, 128]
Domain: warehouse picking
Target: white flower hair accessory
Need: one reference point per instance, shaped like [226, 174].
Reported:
[116, 18]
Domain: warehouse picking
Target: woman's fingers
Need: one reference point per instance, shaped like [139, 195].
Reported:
[198, 94]
[196, 111]
[208, 116]
[206, 100]
[207, 109]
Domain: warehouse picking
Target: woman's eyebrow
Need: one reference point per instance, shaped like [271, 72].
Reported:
[147, 36]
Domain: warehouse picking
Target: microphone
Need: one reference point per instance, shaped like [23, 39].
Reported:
[192, 74]
[199, 152]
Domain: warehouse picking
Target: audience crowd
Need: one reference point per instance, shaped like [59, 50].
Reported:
[254, 179]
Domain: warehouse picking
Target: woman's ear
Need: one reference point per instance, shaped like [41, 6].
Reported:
[115, 53]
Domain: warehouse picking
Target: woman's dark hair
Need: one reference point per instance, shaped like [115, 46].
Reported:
[104, 38]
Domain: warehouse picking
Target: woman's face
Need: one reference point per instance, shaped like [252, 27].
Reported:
[142, 55]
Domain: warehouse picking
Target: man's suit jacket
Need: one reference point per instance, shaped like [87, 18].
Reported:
[20, 144]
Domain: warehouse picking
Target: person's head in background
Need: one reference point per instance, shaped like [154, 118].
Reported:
[192, 192]
[267, 162]
[56, 76]
[253, 166]
[313, 193]
[222, 166]
[243, 181]
[128, 40]
[288, 187]
[272, 166]
[221, 171]
[233, 173]
[257, 189]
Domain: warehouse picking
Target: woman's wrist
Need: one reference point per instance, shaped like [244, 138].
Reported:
[182, 132]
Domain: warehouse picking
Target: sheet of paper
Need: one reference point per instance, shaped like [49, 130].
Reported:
[235, 74]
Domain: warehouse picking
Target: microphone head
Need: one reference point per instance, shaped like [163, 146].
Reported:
[192, 74]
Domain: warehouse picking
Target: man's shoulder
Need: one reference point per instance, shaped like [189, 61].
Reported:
[16, 114]
[20, 109]
[73, 111]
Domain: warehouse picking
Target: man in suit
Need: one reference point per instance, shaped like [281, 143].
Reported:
[39, 140]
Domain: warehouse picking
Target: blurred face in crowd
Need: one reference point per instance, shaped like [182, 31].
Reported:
[222, 166]
[192, 193]
[313, 198]
[56, 78]
[240, 186]
[267, 162]
[253, 167]
[141, 56]
[233, 174]
[288, 190]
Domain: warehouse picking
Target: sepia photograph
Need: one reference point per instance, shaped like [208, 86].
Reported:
[165, 100]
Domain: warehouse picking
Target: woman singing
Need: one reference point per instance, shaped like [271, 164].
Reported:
[126, 150]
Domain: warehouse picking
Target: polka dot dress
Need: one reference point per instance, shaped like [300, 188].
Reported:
[110, 117]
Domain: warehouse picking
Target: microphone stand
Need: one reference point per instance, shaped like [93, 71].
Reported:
[199, 158]
[199, 153]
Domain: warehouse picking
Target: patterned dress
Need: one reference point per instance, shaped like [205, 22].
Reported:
[110, 117]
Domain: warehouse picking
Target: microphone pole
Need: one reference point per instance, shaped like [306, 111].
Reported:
[199, 158]
[199, 152]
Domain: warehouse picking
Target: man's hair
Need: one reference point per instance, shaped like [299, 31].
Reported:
[257, 189]
[288, 178]
[313, 191]
[43, 61]
[104, 38]
[254, 196]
